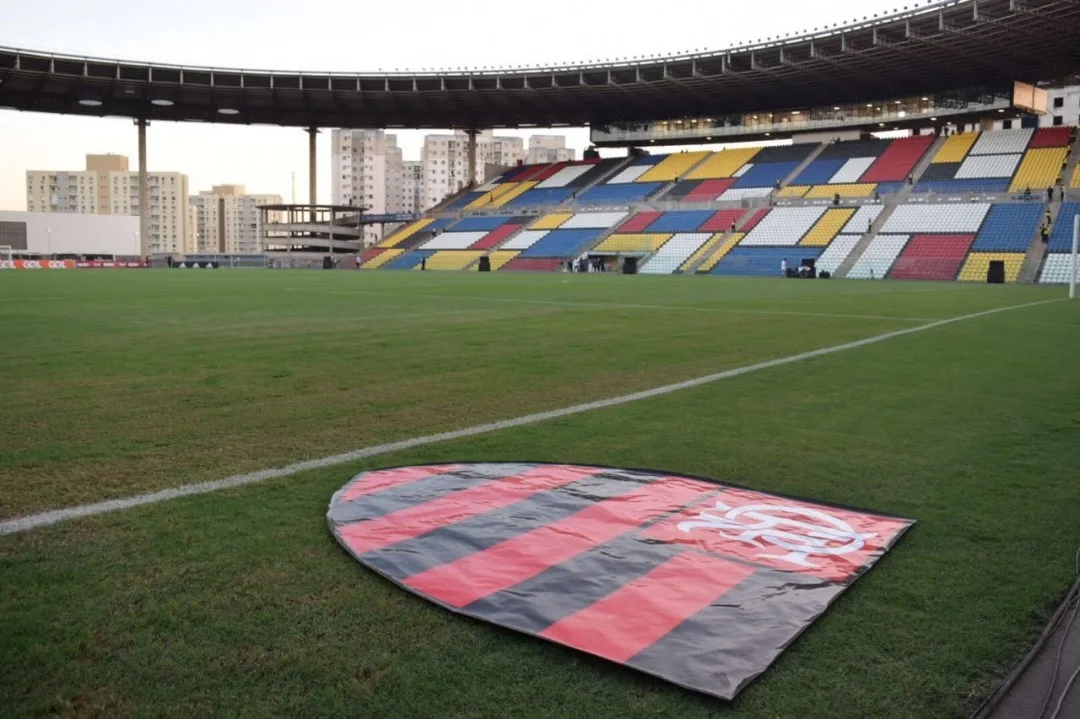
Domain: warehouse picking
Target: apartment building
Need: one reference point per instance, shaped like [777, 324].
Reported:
[227, 220]
[107, 187]
[548, 148]
[445, 161]
[366, 171]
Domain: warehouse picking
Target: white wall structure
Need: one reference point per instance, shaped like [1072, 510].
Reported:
[73, 233]
[548, 148]
[107, 187]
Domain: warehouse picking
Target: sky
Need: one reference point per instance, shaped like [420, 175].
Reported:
[347, 36]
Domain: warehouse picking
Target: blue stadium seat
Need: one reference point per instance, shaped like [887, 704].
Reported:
[1009, 228]
[1061, 234]
[541, 197]
[563, 243]
[680, 221]
[618, 194]
[763, 261]
[819, 172]
[408, 260]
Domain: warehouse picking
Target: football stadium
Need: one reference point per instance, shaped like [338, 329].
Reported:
[767, 406]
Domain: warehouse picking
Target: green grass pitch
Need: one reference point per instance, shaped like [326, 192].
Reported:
[239, 602]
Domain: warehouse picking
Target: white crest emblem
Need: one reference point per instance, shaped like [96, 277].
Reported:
[800, 531]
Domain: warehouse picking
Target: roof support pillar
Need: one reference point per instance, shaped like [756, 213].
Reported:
[472, 157]
[313, 133]
[144, 191]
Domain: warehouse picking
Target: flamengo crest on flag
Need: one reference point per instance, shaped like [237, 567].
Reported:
[630, 565]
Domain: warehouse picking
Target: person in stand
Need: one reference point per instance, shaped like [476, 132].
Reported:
[358, 261]
[1044, 232]
[1027, 193]
[1061, 193]
[423, 264]
[836, 199]
[1049, 194]
[783, 267]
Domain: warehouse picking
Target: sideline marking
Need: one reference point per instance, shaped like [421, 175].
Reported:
[32, 521]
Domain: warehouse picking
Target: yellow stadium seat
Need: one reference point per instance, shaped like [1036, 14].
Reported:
[405, 233]
[818, 192]
[794, 191]
[381, 259]
[1039, 169]
[452, 259]
[520, 188]
[632, 243]
[725, 248]
[974, 269]
[724, 164]
[702, 251]
[956, 147]
[501, 257]
[552, 221]
[495, 193]
[827, 228]
[1075, 178]
[673, 166]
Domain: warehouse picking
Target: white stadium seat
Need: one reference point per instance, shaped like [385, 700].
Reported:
[878, 257]
[743, 170]
[959, 219]
[1002, 142]
[1056, 268]
[834, 256]
[742, 193]
[565, 176]
[524, 240]
[629, 174]
[453, 240]
[980, 166]
[592, 220]
[862, 218]
[674, 252]
[852, 170]
[784, 226]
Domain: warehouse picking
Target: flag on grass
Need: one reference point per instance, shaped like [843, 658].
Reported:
[699, 583]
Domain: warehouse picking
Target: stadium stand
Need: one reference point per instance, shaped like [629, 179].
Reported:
[1056, 265]
[1009, 228]
[723, 247]
[537, 217]
[878, 257]
[783, 226]
[977, 264]
[674, 253]
[452, 259]
[931, 257]
[858, 169]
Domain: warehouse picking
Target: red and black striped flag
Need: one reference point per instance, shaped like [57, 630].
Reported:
[699, 583]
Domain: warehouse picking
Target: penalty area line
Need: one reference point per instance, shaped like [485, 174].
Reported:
[42, 519]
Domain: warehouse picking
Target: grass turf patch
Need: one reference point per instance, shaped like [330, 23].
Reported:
[239, 602]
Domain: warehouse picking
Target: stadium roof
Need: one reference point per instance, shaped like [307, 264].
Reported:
[925, 48]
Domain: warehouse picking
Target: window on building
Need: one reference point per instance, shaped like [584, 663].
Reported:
[1059, 102]
[1057, 120]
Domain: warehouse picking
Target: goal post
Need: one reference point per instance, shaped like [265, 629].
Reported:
[1074, 267]
[6, 253]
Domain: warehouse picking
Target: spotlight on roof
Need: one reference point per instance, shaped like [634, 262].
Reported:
[161, 102]
[91, 102]
[228, 111]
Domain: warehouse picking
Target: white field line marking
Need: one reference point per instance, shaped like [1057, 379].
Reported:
[620, 306]
[32, 521]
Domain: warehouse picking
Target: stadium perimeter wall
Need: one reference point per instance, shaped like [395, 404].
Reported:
[63, 233]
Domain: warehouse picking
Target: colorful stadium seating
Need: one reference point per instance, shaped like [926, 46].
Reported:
[538, 217]
[855, 169]
[1056, 265]
[674, 253]
[931, 257]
